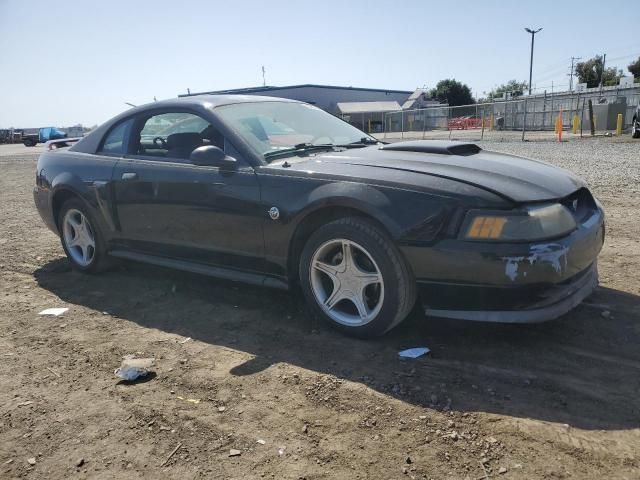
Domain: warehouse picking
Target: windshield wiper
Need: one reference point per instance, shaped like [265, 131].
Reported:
[363, 142]
[299, 148]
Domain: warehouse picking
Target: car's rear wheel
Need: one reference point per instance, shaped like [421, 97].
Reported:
[81, 240]
[635, 128]
[354, 277]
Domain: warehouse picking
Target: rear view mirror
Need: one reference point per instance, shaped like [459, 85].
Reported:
[212, 156]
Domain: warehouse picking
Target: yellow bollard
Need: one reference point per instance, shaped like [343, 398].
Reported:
[491, 122]
[576, 124]
[619, 125]
[559, 126]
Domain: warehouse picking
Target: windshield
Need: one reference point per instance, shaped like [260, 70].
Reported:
[272, 127]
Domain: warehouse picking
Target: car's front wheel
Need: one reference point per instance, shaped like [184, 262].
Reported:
[80, 237]
[354, 277]
[635, 128]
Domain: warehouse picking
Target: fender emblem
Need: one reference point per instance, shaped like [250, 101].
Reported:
[274, 213]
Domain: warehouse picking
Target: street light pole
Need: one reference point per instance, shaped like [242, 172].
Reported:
[533, 34]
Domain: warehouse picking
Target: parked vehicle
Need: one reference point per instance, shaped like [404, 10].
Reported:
[10, 135]
[279, 193]
[43, 135]
[6, 136]
[635, 123]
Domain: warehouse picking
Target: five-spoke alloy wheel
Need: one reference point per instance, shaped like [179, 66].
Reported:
[80, 237]
[354, 277]
[347, 282]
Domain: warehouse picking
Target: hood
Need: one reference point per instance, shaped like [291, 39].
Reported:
[515, 178]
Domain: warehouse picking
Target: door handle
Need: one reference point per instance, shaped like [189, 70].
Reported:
[129, 176]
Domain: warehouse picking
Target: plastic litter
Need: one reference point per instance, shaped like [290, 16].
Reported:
[54, 311]
[190, 400]
[414, 352]
[133, 368]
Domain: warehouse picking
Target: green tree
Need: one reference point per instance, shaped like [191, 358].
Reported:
[634, 69]
[590, 72]
[514, 87]
[452, 92]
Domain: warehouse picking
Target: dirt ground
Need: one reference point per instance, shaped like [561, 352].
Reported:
[238, 364]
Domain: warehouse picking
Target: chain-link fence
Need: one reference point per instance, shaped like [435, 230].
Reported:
[535, 117]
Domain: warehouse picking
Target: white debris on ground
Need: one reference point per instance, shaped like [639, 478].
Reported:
[133, 368]
[414, 352]
[56, 312]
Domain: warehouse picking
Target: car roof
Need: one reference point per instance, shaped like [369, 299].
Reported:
[90, 143]
[211, 101]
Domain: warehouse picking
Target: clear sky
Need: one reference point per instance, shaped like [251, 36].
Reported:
[64, 62]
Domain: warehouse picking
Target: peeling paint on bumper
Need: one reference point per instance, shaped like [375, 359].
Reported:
[501, 282]
[559, 300]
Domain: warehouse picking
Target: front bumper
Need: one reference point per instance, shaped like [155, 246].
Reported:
[514, 283]
[548, 304]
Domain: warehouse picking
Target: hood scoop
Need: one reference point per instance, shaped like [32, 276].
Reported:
[440, 147]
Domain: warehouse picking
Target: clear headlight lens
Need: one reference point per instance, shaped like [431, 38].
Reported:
[533, 223]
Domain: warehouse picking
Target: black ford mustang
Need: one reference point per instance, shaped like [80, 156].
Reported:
[279, 193]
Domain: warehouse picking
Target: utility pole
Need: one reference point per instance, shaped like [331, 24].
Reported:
[604, 61]
[533, 35]
[572, 72]
[264, 81]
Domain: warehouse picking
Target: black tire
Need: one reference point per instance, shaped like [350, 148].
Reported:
[100, 260]
[635, 129]
[399, 284]
[29, 143]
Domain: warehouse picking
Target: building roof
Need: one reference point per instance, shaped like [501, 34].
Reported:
[417, 93]
[367, 107]
[269, 88]
[415, 96]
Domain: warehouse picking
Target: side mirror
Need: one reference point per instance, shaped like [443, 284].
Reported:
[212, 156]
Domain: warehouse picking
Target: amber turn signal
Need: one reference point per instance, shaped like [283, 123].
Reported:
[486, 227]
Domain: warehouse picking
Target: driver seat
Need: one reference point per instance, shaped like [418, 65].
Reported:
[180, 145]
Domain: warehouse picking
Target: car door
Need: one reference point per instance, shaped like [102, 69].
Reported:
[169, 207]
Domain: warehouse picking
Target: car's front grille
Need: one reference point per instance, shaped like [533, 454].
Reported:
[581, 204]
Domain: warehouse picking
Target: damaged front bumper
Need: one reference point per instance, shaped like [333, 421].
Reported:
[545, 304]
[511, 283]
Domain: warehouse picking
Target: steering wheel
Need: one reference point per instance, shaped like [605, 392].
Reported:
[160, 142]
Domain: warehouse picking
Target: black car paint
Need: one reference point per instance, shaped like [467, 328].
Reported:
[202, 217]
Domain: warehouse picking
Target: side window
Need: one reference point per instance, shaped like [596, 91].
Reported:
[115, 141]
[175, 135]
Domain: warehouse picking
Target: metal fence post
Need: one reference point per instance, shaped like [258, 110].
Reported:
[582, 117]
[384, 125]
[533, 119]
[524, 119]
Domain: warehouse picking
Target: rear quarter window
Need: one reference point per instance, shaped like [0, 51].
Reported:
[115, 142]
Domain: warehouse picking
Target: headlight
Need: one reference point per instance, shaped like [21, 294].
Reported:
[533, 223]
